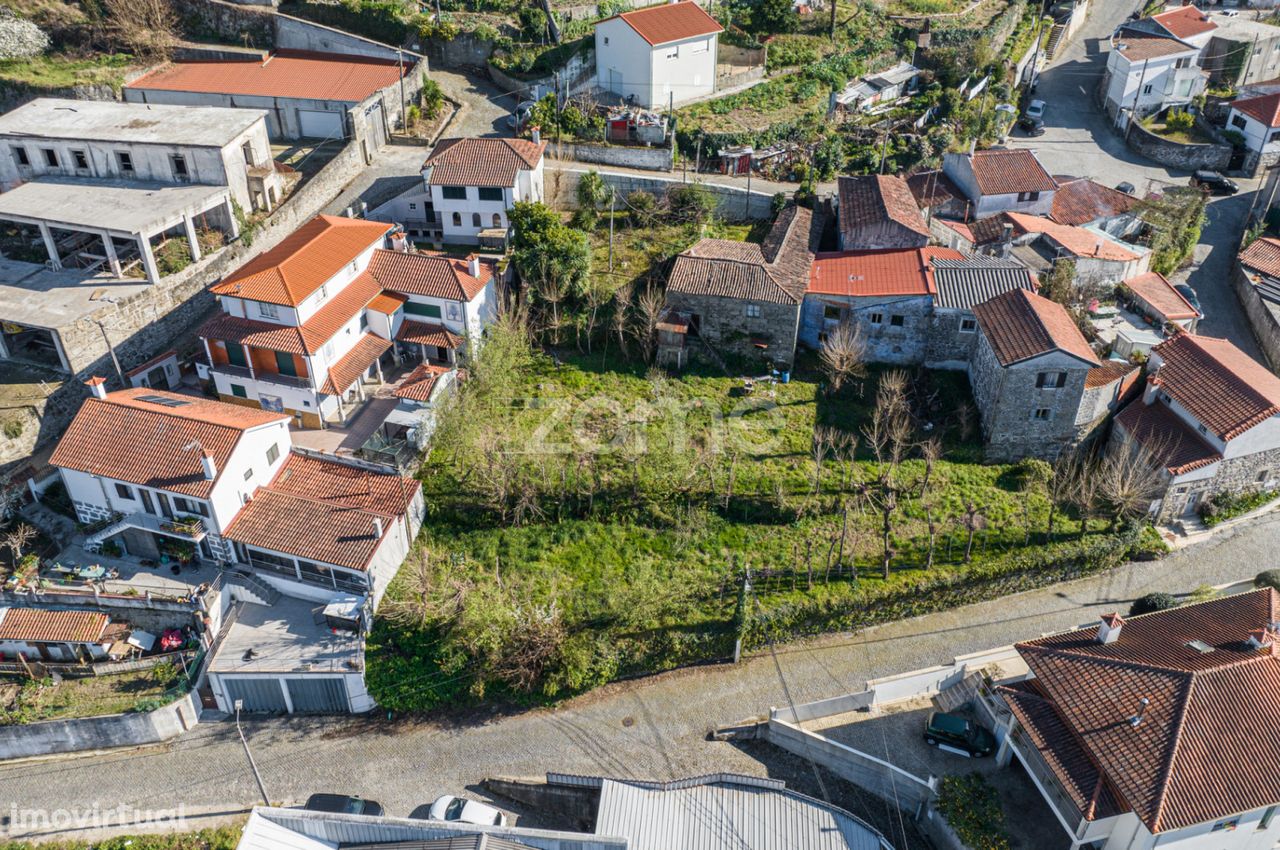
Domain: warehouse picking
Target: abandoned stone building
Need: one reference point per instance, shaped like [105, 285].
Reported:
[878, 211]
[961, 285]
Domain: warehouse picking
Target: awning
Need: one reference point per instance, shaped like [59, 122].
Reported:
[424, 333]
[354, 363]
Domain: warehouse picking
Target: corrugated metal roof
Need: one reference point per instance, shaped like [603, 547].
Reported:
[721, 814]
[967, 282]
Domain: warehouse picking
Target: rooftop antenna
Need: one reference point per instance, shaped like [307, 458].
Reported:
[1136, 720]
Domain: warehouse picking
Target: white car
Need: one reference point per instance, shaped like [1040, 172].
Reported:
[1035, 109]
[463, 810]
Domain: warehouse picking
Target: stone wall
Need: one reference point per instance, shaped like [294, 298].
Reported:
[726, 327]
[623, 156]
[1263, 316]
[947, 346]
[100, 733]
[248, 25]
[1215, 157]
[465, 51]
[734, 202]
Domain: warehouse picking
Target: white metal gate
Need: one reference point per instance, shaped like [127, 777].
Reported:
[259, 695]
[315, 695]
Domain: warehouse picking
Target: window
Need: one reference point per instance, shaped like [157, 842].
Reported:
[753, 311]
[1202, 429]
[1226, 825]
[673, 52]
[364, 322]
[236, 356]
[454, 313]
[50, 157]
[248, 473]
[699, 46]
[831, 313]
[876, 318]
[178, 163]
[606, 41]
[1239, 121]
[1146, 89]
[475, 220]
[246, 150]
[1041, 414]
[413, 308]
[897, 321]
[269, 311]
[285, 364]
[1051, 380]
[1267, 817]
[489, 193]
[454, 193]
[413, 206]
[124, 159]
[81, 160]
[322, 293]
[124, 491]
[1262, 477]
[457, 219]
[1028, 196]
[968, 326]
[1184, 62]
[273, 453]
[497, 220]
[20, 156]
[239, 391]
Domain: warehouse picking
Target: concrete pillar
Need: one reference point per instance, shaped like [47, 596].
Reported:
[378, 364]
[112, 260]
[148, 258]
[47, 235]
[342, 410]
[192, 239]
[233, 226]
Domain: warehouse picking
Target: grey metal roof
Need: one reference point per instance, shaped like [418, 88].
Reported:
[478, 841]
[727, 813]
[966, 283]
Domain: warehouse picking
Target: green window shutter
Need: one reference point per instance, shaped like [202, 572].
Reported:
[413, 308]
[235, 355]
[239, 391]
[284, 362]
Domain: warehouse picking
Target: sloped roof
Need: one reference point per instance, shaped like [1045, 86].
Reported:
[427, 333]
[873, 199]
[1185, 22]
[1075, 240]
[482, 161]
[128, 438]
[1111, 371]
[1138, 47]
[387, 302]
[314, 478]
[303, 261]
[1009, 172]
[1166, 437]
[932, 188]
[1156, 290]
[429, 274]
[286, 73]
[895, 271]
[1225, 389]
[1265, 108]
[1020, 325]
[418, 384]
[1081, 201]
[669, 22]
[972, 279]
[40, 625]
[1204, 749]
[354, 363]
[775, 272]
[1263, 256]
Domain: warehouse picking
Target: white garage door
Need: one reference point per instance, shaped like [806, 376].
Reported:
[320, 125]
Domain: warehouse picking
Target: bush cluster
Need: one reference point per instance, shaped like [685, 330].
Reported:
[972, 808]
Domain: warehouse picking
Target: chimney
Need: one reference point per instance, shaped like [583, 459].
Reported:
[1136, 720]
[473, 266]
[1109, 628]
[377, 528]
[536, 132]
[1261, 639]
[98, 386]
[399, 242]
[1006, 239]
[207, 463]
[1152, 389]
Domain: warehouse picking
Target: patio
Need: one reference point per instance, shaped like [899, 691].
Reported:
[1125, 331]
[131, 576]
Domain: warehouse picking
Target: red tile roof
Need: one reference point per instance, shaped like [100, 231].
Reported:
[1225, 389]
[1111, 371]
[129, 439]
[40, 625]
[775, 272]
[876, 273]
[1138, 47]
[1075, 240]
[1168, 439]
[303, 261]
[1156, 290]
[331, 481]
[669, 22]
[286, 73]
[419, 383]
[1020, 325]
[872, 200]
[1263, 256]
[933, 188]
[354, 363]
[1185, 22]
[429, 274]
[482, 161]
[1265, 109]
[1205, 748]
[387, 302]
[1078, 202]
[428, 333]
[1009, 172]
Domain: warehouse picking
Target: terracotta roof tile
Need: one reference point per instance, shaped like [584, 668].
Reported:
[387, 302]
[1111, 371]
[871, 200]
[775, 272]
[1079, 202]
[1185, 22]
[428, 333]
[876, 273]
[1197, 755]
[1138, 47]
[286, 73]
[1156, 290]
[1263, 256]
[1020, 325]
[482, 161]
[1225, 389]
[1009, 172]
[669, 22]
[429, 274]
[332, 481]
[1075, 240]
[107, 438]
[255, 333]
[933, 188]
[1166, 437]
[1265, 108]
[40, 625]
[303, 261]
[329, 532]
[419, 383]
[354, 363]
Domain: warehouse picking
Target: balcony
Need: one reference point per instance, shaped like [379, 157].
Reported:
[1051, 788]
[245, 374]
[184, 528]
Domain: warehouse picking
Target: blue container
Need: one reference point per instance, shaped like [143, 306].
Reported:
[786, 377]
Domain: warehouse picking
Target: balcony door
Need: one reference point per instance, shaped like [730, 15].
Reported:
[235, 355]
[166, 510]
[286, 364]
[148, 504]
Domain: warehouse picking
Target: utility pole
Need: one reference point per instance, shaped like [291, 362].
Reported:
[697, 161]
[111, 349]
[1248, 63]
[748, 209]
[884, 149]
[404, 113]
[252, 764]
[613, 197]
[1133, 116]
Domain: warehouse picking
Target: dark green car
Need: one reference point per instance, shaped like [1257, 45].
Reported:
[958, 735]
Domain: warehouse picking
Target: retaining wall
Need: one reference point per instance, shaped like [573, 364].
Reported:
[623, 156]
[1263, 316]
[1214, 157]
[154, 615]
[100, 733]
[734, 202]
[298, 34]
[464, 51]
[249, 25]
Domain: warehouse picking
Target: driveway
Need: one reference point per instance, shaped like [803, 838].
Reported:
[652, 728]
[485, 107]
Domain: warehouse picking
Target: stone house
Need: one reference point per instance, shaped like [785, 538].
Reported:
[997, 181]
[1039, 243]
[938, 197]
[1209, 416]
[1258, 120]
[743, 297]
[1029, 370]
[1080, 202]
[876, 212]
[961, 284]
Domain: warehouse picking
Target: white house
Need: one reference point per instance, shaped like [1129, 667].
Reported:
[658, 55]
[469, 187]
[1147, 73]
[1001, 181]
[1258, 120]
[47, 635]
[1185, 22]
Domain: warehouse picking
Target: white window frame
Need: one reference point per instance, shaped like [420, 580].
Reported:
[268, 311]
[753, 311]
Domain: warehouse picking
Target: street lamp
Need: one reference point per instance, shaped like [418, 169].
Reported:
[239, 704]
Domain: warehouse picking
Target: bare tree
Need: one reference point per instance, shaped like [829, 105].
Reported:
[649, 309]
[823, 438]
[1059, 488]
[843, 355]
[1128, 481]
[888, 434]
[973, 521]
[16, 540]
[596, 296]
[933, 534]
[620, 318]
[1085, 493]
[1036, 475]
[930, 453]
[144, 27]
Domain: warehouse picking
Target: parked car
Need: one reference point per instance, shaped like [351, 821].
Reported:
[956, 734]
[1214, 183]
[520, 117]
[342, 804]
[1190, 294]
[1126, 187]
[462, 810]
[1035, 109]
[1031, 126]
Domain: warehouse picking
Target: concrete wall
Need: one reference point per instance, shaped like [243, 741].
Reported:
[465, 51]
[623, 156]
[1175, 154]
[1263, 316]
[296, 34]
[100, 733]
[154, 615]
[233, 22]
[735, 203]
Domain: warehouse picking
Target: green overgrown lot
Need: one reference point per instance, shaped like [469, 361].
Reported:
[589, 519]
[40, 699]
[62, 71]
[219, 838]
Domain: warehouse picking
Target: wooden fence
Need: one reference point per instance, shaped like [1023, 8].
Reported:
[43, 669]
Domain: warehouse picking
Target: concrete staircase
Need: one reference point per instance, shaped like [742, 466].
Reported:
[712, 354]
[1056, 37]
[93, 542]
[250, 588]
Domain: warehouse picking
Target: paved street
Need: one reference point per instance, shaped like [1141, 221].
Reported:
[654, 727]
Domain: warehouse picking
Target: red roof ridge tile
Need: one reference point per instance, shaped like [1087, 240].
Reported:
[674, 22]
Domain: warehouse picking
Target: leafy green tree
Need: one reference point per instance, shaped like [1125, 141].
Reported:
[545, 251]
[774, 17]
[1060, 285]
[691, 203]
[1176, 218]
[592, 193]
[829, 158]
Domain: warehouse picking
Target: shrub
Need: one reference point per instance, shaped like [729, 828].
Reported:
[1267, 578]
[173, 256]
[13, 428]
[1224, 506]
[164, 674]
[1152, 602]
[692, 203]
[1179, 119]
[432, 97]
[1150, 546]
[972, 808]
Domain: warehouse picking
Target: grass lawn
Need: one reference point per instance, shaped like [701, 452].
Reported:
[1190, 136]
[59, 71]
[590, 520]
[23, 701]
[639, 250]
[220, 838]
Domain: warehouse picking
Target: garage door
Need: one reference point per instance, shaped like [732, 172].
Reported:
[318, 696]
[259, 695]
[320, 125]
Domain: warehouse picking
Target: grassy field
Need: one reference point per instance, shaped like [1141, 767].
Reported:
[23, 701]
[221, 838]
[640, 250]
[589, 519]
[58, 71]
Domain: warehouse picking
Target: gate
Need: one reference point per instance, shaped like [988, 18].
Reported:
[315, 695]
[259, 695]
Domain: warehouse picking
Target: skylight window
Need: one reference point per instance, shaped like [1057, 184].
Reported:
[1200, 646]
[163, 401]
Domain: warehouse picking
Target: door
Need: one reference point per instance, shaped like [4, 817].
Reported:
[158, 379]
[318, 695]
[148, 504]
[315, 124]
[259, 695]
[1193, 502]
[166, 510]
[286, 364]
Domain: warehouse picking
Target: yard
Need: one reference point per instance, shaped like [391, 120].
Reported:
[219, 838]
[27, 701]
